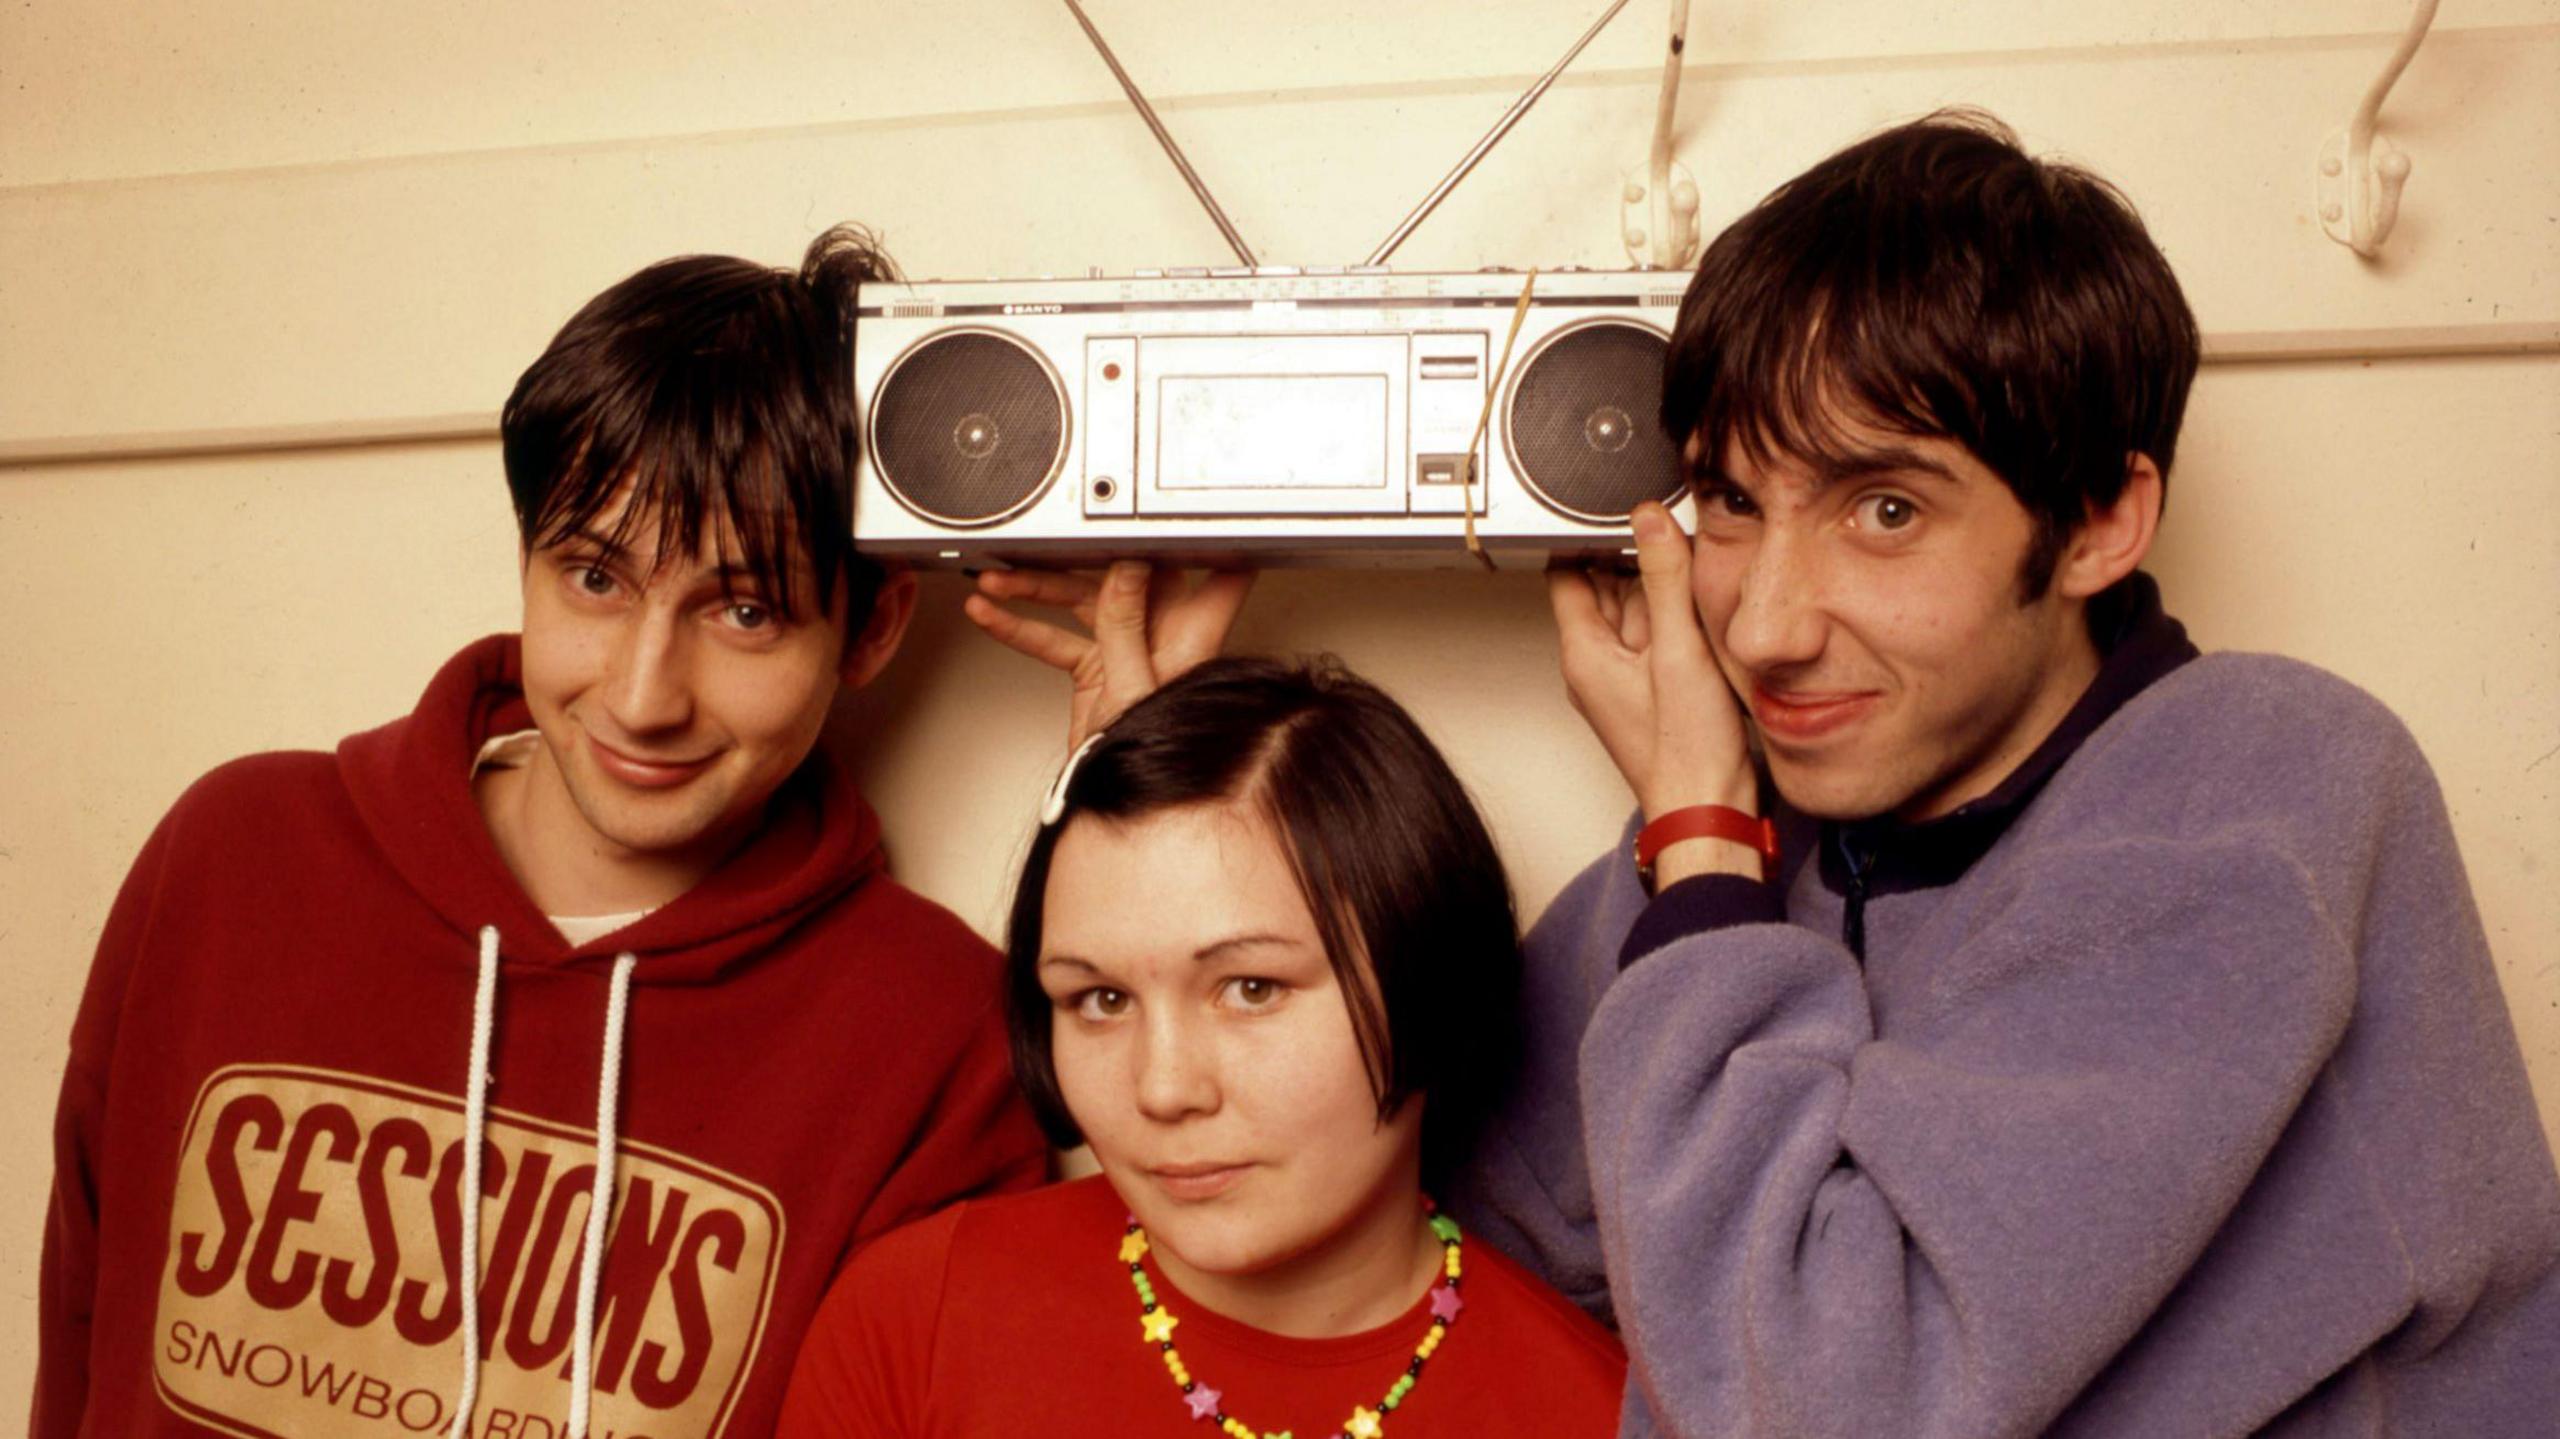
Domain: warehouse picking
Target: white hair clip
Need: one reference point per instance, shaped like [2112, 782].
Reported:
[1055, 806]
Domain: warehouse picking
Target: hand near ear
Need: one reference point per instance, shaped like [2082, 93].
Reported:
[1148, 625]
[1638, 668]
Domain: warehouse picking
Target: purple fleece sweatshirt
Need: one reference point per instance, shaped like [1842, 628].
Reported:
[2188, 1106]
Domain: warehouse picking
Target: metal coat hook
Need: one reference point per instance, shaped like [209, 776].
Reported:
[2360, 172]
[1659, 215]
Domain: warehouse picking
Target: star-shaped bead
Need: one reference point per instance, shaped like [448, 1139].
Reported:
[1445, 1303]
[1159, 1326]
[1363, 1425]
[1133, 1247]
[1203, 1401]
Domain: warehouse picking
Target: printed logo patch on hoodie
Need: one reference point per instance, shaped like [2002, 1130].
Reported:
[314, 1243]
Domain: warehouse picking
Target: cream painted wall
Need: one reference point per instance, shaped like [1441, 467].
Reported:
[296, 213]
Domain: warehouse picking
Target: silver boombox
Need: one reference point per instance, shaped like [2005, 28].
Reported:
[1275, 414]
[1333, 414]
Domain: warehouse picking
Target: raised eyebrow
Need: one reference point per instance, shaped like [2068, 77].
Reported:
[733, 579]
[1891, 460]
[606, 547]
[582, 539]
[1220, 950]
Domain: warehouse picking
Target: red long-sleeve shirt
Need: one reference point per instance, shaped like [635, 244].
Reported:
[1017, 1316]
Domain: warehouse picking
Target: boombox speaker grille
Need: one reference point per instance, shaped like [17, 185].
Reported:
[1585, 421]
[968, 426]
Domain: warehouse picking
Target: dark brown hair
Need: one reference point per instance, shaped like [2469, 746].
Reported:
[721, 392]
[1396, 867]
[1935, 280]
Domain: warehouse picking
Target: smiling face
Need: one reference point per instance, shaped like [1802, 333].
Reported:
[1867, 609]
[1203, 1046]
[672, 697]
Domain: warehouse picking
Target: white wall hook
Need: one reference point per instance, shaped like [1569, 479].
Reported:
[1660, 219]
[1658, 205]
[2360, 175]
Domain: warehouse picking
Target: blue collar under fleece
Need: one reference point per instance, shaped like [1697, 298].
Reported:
[2140, 642]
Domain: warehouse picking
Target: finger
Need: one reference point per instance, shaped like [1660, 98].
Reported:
[1626, 617]
[1059, 589]
[1057, 648]
[1611, 592]
[1165, 588]
[1635, 627]
[1581, 617]
[1196, 629]
[1671, 612]
[1120, 627]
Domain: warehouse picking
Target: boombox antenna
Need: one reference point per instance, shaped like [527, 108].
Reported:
[1147, 112]
[1439, 192]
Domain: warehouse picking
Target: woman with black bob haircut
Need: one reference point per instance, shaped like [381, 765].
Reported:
[1263, 960]
[1394, 864]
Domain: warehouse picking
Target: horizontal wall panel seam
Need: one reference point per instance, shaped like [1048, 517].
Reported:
[2238, 348]
[1705, 74]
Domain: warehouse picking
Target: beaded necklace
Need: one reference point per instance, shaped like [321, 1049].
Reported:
[1157, 1324]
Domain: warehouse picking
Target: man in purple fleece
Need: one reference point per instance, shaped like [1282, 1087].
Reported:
[2108, 1044]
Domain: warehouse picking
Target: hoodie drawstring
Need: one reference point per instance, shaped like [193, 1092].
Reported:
[475, 1124]
[600, 1203]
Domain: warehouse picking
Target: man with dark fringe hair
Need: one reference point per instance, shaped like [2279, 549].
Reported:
[545, 1052]
[2003, 1020]
[717, 393]
[2014, 307]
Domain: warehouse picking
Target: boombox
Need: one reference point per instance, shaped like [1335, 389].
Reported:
[1349, 414]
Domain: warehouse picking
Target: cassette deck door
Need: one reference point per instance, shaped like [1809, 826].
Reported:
[1304, 424]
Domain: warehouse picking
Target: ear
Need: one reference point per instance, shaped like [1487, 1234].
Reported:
[868, 653]
[2112, 542]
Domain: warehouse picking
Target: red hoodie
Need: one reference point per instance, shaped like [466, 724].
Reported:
[255, 1226]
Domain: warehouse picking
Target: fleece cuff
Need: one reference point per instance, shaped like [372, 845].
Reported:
[1701, 904]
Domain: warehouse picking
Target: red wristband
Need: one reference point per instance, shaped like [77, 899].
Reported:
[1705, 821]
